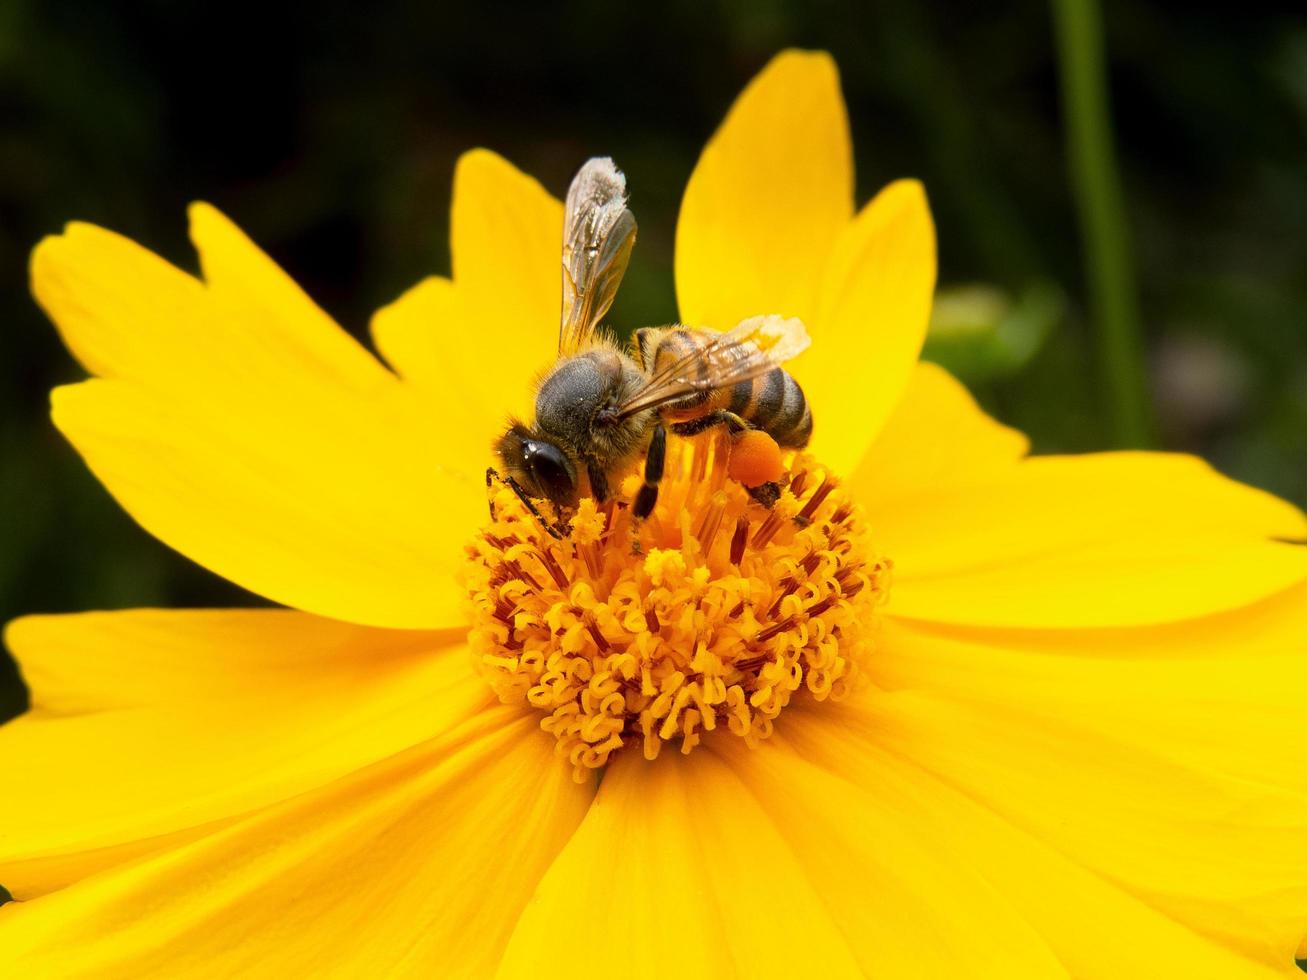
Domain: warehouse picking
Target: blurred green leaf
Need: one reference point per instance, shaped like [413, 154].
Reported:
[982, 334]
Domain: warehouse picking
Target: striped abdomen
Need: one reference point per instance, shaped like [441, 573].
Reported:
[773, 402]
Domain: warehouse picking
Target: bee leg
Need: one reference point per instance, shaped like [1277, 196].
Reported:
[555, 531]
[491, 476]
[766, 493]
[705, 422]
[598, 481]
[654, 459]
[646, 340]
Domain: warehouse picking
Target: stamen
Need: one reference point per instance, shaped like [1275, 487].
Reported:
[766, 530]
[711, 521]
[739, 539]
[815, 501]
[625, 635]
[798, 482]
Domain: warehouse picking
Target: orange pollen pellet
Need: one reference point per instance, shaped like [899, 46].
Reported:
[755, 459]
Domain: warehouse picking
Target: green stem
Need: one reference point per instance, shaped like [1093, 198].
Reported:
[1113, 299]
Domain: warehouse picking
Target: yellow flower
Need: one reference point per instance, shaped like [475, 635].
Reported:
[1064, 738]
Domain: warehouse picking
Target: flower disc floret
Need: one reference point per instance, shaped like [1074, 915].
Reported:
[712, 615]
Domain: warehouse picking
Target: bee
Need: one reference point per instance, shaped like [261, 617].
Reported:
[600, 408]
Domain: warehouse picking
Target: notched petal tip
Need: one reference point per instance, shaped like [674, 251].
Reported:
[16, 633]
[205, 222]
[42, 269]
[25, 636]
[52, 255]
[203, 211]
[66, 400]
[404, 330]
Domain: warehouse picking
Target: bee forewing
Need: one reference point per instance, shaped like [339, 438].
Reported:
[597, 195]
[598, 235]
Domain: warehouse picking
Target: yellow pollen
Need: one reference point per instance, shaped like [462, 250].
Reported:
[709, 617]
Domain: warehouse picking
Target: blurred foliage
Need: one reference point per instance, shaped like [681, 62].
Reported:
[983, 335]
[329, 131]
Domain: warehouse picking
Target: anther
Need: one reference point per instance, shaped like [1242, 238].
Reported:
[597, 636]
[788, 587]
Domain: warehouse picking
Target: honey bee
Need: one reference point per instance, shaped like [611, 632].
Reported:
[600, 408]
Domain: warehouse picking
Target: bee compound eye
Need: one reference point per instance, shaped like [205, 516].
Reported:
[551, 470]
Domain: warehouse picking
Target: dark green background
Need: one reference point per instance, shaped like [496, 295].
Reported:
[330, 131]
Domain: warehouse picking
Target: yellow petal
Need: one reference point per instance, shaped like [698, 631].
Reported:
[1099, 540]
[243, 429]
[677, 871]
[1043, 902]
[313, 507]
[768, 199]
[416, 866]
[415, 334]
[906, 908]
[936, 436]
[268, 304]
[1139, 795]
[506, 239]
[149, 727]
[870, 322]
[474, 345]
[451, 380]
[125, 313]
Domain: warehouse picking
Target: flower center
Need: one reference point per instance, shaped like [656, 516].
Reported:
[709, 616]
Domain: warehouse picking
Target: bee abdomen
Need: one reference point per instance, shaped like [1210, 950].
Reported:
[775, 404]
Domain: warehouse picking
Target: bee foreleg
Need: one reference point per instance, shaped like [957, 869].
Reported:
[598, 480]
[654, 459]
[705, 422]
[493, 474]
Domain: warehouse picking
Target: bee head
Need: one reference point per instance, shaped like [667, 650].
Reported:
[540, 465]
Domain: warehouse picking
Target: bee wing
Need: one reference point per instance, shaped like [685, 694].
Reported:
[753, 348]
[598, 234]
